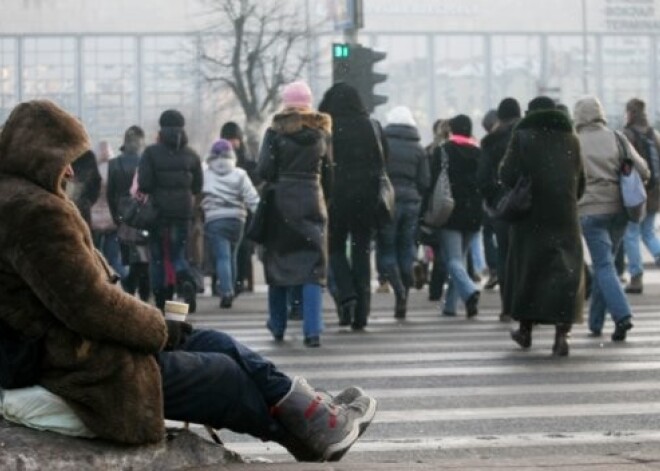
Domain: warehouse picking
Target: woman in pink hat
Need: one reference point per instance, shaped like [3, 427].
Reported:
[296, 163]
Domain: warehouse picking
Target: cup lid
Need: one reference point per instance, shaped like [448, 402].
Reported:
[176, 307]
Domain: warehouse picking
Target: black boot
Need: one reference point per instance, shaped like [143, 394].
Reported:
[160, 298]
[560, 347]
[187, 290]
[347, 312]
[523, 336]
[401, 305]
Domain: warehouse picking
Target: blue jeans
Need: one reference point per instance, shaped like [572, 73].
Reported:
[312, 307]
[177, 235]
[646, 231]
[108, 244]
[215, 380]
[603, 233]
[223, 237]
[396, 247]
[453, 247]
[477, 253]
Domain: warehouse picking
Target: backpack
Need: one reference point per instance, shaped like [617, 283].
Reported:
[649, 152]
[20, 358]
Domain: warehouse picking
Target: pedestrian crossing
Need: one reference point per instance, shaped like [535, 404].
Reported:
[452, 387]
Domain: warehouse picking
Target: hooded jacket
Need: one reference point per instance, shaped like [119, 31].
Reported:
[407, 166]
[602, 157]
[99, 342]
[296, 163]
[357, 158]
[171, 172]
[227, 190]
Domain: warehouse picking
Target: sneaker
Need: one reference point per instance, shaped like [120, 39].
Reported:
[492, 281]
[621, 329]
[383, 287]
[328, 430]
[472, 304]
[636, 285]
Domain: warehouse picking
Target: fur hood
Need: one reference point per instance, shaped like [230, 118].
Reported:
[291, 121]
[546, 119]
[38, 141]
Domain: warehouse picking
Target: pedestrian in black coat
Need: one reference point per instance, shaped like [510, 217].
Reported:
[493, 148]
[408, 169]
[545, 283]
[358, 164]
[170, 172]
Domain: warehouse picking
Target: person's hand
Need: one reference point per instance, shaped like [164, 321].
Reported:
[177, 333]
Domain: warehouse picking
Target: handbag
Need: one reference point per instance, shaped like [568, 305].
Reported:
[441, 203]
[257, 231]
[386, 198]
[633, 192]
[515, 204]
[140, 214]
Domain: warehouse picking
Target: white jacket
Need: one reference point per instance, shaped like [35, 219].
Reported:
[228, 191]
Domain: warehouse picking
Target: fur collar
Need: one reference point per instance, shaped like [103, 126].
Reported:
[291, 121]
[546, 119]
[38, 141]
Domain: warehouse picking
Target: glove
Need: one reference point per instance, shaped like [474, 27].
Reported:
[177, 334]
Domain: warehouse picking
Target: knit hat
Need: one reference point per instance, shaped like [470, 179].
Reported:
[401, 115]
[171, 119]
[489, 120]
[231, 130]
[461, 125]
[297, 95]
[541, 103]
[509, 108]
[222, 148]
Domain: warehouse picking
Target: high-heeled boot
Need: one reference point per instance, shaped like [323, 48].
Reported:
[560, 348]
[523, 336]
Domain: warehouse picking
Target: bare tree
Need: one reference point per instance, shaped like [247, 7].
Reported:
[252, 47]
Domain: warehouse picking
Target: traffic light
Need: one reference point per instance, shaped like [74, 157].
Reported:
[354, 64]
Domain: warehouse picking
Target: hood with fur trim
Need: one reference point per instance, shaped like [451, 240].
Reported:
[38, 141]
[291, 121]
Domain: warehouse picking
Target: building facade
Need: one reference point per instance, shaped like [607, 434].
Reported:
[115, 63]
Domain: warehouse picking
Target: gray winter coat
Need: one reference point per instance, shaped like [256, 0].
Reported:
[408, 166]
[227, 190]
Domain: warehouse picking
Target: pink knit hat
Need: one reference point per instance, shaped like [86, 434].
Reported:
[297, 95]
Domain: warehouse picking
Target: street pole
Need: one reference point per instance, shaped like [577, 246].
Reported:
[585, 50]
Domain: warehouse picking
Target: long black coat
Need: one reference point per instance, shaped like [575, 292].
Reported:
[295, 161]
[493, 148]
[545, 263]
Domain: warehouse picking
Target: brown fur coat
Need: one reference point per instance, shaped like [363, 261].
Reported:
[100, 342]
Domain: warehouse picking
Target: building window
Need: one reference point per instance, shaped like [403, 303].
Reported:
[8, 77]
[516, 67]
[110, 101]
[565, 72]
[169, 77]
[49, 71]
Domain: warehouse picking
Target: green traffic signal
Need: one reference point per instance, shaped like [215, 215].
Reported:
[341, 51]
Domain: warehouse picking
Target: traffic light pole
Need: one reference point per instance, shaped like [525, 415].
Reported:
[351, 34]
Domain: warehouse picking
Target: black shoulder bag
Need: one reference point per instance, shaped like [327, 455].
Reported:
[385, 207]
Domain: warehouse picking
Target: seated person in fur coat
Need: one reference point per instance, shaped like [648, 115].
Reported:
[113, 358]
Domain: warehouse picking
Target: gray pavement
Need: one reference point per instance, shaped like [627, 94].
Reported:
[457, 394]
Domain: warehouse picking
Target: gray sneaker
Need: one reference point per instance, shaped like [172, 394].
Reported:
[326, 426]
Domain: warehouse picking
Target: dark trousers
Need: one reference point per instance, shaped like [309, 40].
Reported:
[353, 280]
[502, 235]
[215, 380]
[490, 245]
[438, 275]
[138, 280]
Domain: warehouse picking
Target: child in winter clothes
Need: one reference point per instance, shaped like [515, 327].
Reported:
[227, 194]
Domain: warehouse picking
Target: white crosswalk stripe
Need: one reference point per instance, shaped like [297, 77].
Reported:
[452, 384]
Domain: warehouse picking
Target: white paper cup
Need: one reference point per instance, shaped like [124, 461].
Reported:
[175, 311]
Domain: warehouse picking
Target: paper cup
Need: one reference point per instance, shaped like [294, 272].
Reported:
[175, 311]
